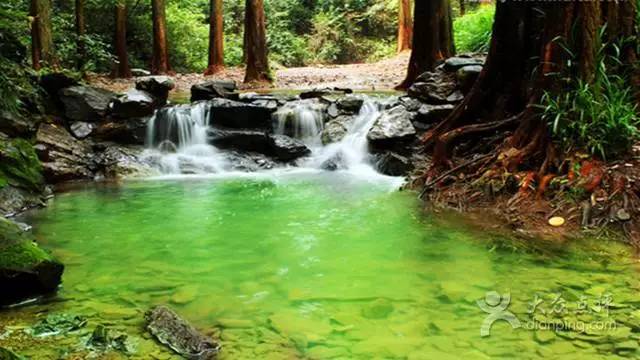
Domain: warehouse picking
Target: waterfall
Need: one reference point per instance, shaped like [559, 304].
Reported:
[177, 140]
[302, 120]
[352, 151]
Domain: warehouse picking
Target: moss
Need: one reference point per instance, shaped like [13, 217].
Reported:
[17, 249]
[19, 165]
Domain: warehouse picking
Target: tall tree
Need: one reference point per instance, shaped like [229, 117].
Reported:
[256, 43]
[432, 38]
[463, 7]
[405, 25]
[80, 33]
[121, 68]
[216, 38]
[527, 58]
[42, 52]
[160, 58]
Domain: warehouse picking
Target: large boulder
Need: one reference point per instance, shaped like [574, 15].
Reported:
[238, 115]
[17, 124]
[63, 157]
[279, 147]
[85, 103]
[336, 129]
[134, 104]
[158, 86]
[127, 132]
[429, 115]
[19, 165]
[117, 162]
[26, 271]
[225, 89]
[350, 103]
[393, 164]
[467, 76]
[434, 87]
[392, 129]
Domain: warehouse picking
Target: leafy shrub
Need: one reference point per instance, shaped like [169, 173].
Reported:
[472, 32]
[599, 116]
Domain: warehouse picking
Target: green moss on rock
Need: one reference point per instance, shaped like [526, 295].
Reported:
[26, 270]
[19, 165]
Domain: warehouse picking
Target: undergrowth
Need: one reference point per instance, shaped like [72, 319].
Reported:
[472, 32]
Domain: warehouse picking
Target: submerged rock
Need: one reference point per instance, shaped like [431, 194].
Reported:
[56, 324]
[171, 330]
[85, 103]
[104, 339]
[225, 89]
[26, 271]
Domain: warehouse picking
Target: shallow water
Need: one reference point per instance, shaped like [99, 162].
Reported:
[317, 266]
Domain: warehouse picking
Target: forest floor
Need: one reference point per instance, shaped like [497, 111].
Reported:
[381, 75]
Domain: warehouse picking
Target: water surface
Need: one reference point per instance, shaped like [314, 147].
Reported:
[318, 266]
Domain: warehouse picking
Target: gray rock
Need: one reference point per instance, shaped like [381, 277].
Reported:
[81, 129]
[334, 163]
[117, 162]
[392, 128]
[432, 114]
[333, 110]
[249, 161]
[63, 157]
[84, 103]
[467, 76]
[239, 115]
[433, 87]
[134, 104]
[17, 125]
[393, 164]
[336, 129]
[455, 97]
[350, 103]
[140, 72]
[126, 131]
[286, 149]
[173, 331]
[454, 63]
[158, 86]
[225, 89]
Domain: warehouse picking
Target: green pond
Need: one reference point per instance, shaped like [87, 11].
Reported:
[318, 266]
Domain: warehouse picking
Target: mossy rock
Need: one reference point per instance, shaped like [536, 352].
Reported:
[26, 271]
[19, 165]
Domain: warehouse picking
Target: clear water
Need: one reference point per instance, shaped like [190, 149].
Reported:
[315, 266]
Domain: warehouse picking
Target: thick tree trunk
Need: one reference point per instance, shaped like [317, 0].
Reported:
[432, 38]
[121, 68]
[527, 57]
[405, 25]
[256, 43]
[42, 53]
[160, 58]
[80, 33]
[216, 39]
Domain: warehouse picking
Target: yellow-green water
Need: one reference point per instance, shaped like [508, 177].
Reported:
[316, 267]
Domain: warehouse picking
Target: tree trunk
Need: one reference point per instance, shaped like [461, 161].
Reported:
[42, 53]
[405, 25]
[463, 8]
[80, 33]
[256, 43]
[160, 57]
[216, 39]
[121, 68]
[432, 38]
[526, 58]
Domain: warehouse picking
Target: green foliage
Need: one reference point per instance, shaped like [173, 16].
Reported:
[188, 37]
[600, 115]
[19, 165]
[472, 32]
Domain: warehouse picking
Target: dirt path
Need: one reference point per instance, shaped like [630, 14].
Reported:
[382, 75]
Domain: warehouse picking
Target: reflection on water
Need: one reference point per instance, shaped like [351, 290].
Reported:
[319, 267]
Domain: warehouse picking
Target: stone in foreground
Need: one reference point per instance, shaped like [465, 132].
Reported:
[171, 330]
[26, 271]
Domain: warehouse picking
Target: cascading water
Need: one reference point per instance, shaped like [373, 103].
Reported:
[352, 151]
[303, 120]
[177, 141]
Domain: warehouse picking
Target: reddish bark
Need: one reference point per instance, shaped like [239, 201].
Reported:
[216, 39]
[121, 68]
[160, 58]
[405, 25]
[256, 43]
